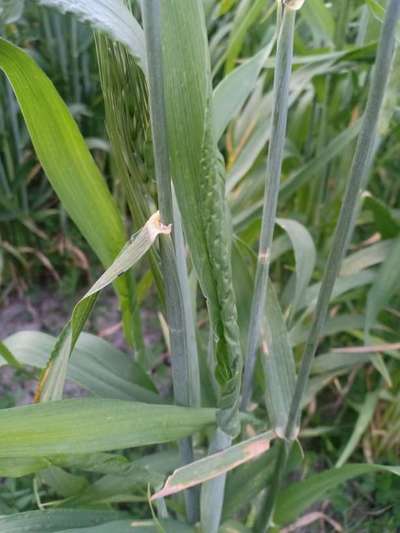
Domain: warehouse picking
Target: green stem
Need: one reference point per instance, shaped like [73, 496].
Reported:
[180, 344]
[361, 164]
[273, 173]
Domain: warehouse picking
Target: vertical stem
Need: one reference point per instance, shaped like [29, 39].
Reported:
[361, 164]
[274, 166]
[180, 345]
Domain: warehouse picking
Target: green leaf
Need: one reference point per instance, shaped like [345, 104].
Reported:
[110, 16]
[305, 256]
[366, 257]
[55, 521]
[376, 9]
[197, 170]
[232, 91]
[320, 20]
[298, 497]
[305, 173]
[51, 385]
[385, 285]
[386, 224]
[243, 22]
[62, 482]
[67, 163]
[278, 363]
[214, 465]
[137, 526]
[122, 487]
[11, 10]
[8, 356]
[366, 413]
[95, 365]
[86, 426]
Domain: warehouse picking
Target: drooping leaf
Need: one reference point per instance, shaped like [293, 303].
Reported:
[51, 385]
[110, 16]
[305, 256]
[87, 425]
[11, 10]
[214, 465]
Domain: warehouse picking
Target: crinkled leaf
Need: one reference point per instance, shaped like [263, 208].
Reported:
[198, 174]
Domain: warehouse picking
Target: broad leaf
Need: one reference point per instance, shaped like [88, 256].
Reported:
[67, 162]
[95, 365]
[55, 520]
[86, 426]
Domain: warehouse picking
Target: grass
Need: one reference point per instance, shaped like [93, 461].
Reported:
[272, 284]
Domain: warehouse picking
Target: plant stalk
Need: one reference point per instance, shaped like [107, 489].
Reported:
[362, 162]
[181, 348]
[274, 166]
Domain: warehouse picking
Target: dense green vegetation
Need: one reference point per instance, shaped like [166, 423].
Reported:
[250, 149]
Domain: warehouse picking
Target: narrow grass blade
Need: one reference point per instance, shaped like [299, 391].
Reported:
[278, 362]
[51, 385]
[95, 365]
[8, 356]
[320, 20]
[367, 410]
[110, 16]
[370, 256]
[241, 26]
[305, 257]
[273, 174]
[215, 465]
[298, 497]
[360, 167]
[87, 426]
[232, 92]
[386, 284]
[67, 163]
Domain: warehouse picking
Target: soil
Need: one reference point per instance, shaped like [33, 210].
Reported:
[48, 310]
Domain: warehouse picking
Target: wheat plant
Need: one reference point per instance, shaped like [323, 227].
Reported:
[188, 125]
